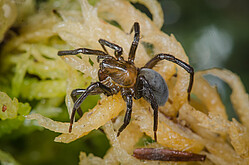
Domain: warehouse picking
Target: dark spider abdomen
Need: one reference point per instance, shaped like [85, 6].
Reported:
[158, 85]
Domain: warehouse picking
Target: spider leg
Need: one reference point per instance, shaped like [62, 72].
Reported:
[135, 42]
[83, 51]
[118, 51]
[77, 92]
[99, 53]
[150, 64]
[127, 117]
[74, 93]
[90, 90]
[146, 92]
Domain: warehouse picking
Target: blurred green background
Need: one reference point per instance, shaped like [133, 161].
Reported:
[214, 33]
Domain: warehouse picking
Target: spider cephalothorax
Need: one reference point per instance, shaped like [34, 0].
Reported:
[117, 75]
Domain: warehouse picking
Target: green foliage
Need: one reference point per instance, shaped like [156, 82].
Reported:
[35, 89]
[149, 48]
[7, 159]
[93, 2]
[13, 116]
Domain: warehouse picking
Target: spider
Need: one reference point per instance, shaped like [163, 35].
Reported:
[118, 75]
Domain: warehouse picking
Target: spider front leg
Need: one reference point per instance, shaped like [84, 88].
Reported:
[99, 53]
[135, 42]
[150, 64]
[118, 51]
[93, 89]
[127, 118]
[83, 51]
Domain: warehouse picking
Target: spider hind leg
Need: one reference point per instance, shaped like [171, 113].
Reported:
[162, 56]
[144, 89]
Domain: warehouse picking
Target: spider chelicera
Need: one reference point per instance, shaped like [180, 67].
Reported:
[116, 74]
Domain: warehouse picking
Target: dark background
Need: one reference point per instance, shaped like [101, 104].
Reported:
[213, 33]
[218, 29]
